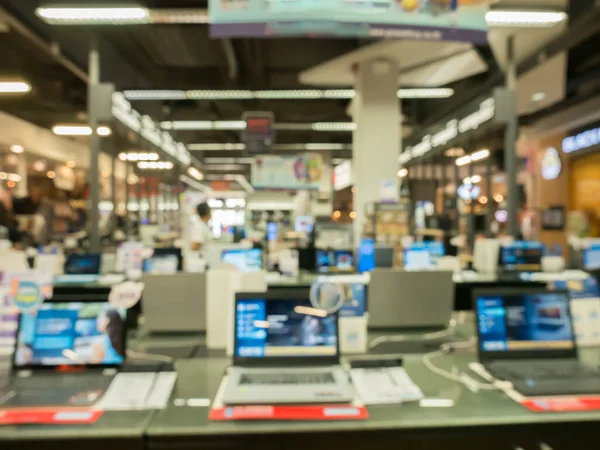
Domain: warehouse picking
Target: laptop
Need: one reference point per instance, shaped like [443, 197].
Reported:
[167, 256]
[335, 261]
[80, 269]
[247, 260]
[519, 257]
[66, 352]
[526, 337]
[285, 352]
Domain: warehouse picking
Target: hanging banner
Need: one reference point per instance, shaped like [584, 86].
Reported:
[287, 172]
[429, 20]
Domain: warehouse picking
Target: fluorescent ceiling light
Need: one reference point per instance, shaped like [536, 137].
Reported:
[195, 173]
[204, 125]
[91, 15]
[281, 147]
[180, 15]
[334, 126]
[14, 87]
[228, 160]
[79, 130]
[160, 165]
[481, 154]
[279, 94]
[499, 18]
[475, 178]
[138, 156]
[17, 148]
[463, 161]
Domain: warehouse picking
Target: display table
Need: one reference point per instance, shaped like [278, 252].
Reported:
[487, 419]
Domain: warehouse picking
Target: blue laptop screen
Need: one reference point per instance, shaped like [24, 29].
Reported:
[83, 264]
[522, 256]
[249, 260]
[528, 322]
[335, 261]
[283, 328]
[71, 333]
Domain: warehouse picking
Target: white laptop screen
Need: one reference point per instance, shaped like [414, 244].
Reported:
[283, 328]
[525, 322]
[71, 333]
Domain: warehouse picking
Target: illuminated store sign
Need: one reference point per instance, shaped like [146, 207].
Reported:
[147, 128]
[581, 141]
[454, 128]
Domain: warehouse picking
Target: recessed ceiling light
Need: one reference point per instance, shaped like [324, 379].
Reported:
[51, 174]
[538, 96]
[71, 164]
[17, 148]
[39, 166]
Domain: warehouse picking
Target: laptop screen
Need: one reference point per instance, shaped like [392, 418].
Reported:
[522, 257]
[247, 260]
[525, 322]
[591, 257]
[423, 255]
[87, 264]
[283, 328]
[71, 333]
[335, 261]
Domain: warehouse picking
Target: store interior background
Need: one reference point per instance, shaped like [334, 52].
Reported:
[554, 94]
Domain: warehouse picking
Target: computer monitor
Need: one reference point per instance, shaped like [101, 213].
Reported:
[423, 255]
[329, 261]
[524, 321]
[83, 264]
[247, 260]
[71, 333]
[591, 257]
[522, 256]
[276, 325]
[366, 255]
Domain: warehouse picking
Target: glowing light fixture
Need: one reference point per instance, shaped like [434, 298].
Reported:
[402, 172]
[51, 174]
[79, 130]
[195, 173]
[481, 154]
[463, 160]
[526, 19]
[14, 87]
[71, 164]
[93, 15]
[17, 148]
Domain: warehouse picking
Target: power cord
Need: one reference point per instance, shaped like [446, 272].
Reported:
[463, 377]
[410, 337]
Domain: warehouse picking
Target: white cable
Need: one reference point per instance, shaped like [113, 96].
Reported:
[411, 337]
[149, 356]
[444, 350]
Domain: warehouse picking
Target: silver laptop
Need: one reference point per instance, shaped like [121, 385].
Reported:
[166, 294]
[286, 352]
[403, 299]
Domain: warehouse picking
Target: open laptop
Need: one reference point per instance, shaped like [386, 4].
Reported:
[247, 260]
[519, 257]
[526, 337]
[335, 261]
[81, 268]
[285, 352]
[66, 352]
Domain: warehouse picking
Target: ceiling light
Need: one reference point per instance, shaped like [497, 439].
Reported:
[180, 15]
[476, 179]
[337, 214]
[17, 148]
[11, 184]
[463, 161]
[79, 130]
[454, 152]
[402, 172]
[195, 173]
[209, 147]
[39, 166]
[483, 200]
[278, 94]
[228, 160]
[90, 16]
[498, 198]
[138, 156]
[104, 131]
[538, 96]
[499, 18]
[481, 154]
[14, 87]
[230, 125]
[71, 164]
[226, 167]
[333, 126]
[51, 174]
[158, 165]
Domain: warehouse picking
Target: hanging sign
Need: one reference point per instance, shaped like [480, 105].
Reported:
[429, 20]
[287, 172]
[259, 133]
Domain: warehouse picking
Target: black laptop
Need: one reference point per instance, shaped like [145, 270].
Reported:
[526, 337]
[66, 352]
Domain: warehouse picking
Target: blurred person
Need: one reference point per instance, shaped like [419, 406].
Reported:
[201, 234]
[112, 348]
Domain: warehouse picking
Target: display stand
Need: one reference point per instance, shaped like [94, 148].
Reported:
[391, 224]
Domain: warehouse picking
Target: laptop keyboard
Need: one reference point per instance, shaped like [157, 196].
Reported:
[545, 372]
[287, 378]
[76, 383]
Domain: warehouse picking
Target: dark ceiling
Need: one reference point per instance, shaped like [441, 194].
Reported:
[184, 57]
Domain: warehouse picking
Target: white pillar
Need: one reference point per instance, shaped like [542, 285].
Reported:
[377, 138]
[21, 190]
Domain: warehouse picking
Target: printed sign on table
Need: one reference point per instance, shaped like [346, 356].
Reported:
[28, 290]
[125, 295]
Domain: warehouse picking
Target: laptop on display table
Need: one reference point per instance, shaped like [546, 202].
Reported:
[519, 257]
[66, 352]
[285, 352]
[526, 337]
[247, 260]
[335, 261]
